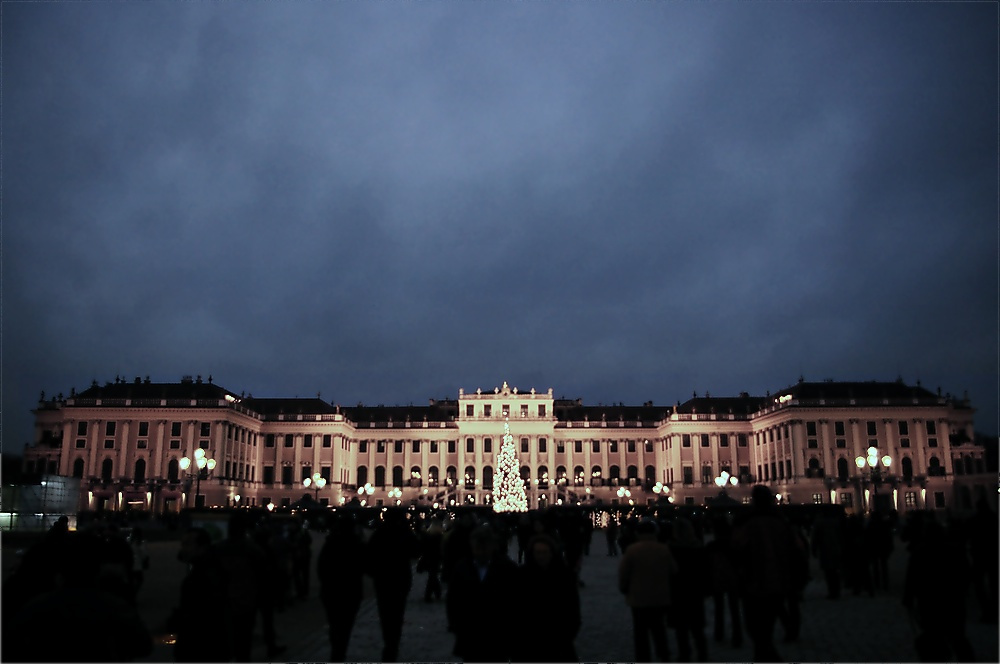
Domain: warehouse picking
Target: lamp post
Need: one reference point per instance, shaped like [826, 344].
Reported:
[202, 463]
[874, 469]
[317, 482]
[725, 480]
[663, 491]
[368, 490]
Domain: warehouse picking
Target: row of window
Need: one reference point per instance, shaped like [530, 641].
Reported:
[416, 478]
[111, 427]
[741, 440]
[902, 426]
[487, 410]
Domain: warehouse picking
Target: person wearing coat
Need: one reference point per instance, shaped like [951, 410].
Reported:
[644, 576]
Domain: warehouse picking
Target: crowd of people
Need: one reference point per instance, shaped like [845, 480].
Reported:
[751, 565]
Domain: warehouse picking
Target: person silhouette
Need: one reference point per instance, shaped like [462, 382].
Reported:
[391, 550]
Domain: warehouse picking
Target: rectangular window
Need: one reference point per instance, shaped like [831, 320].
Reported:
[931, 428]
[363, 447]
[688, 475]
[269, 440]
[109, 429]
[846, 499]
[289, 440]
[175, 428]
[788, 468]
[487, 411]
[578, 446]
[904, 428]
[910, 498]
[744, 471]
[904, 442]
[873, 442]
[434, 447]
[560, 447]
[686, 440]
[704, 440]
[770, 435]
[143, 429]
[175, 444]
[203, 444]
[817, 498]
[268, 474]
[630, 446]
[614, 447]
[841, 443]
[470, 410]
[307, 441]
[542, 446]
[380, 447]
[81, 443]
[470, 445]
[742, 440]
[307, 471]
[81, 428]
[524, 446]
[286, 475]
[812, 443]
[488, 445]
[595, 447]
[524, 410]
[706, 474]
[810, 428]
[397, 447]
[325, 473]
[838, 428]
[451, 446]
[723, 440]
[932, 442]
[649, 446]
[872, 429]
[541, 410]
[415, 447]
[327, 440]
[206, 429]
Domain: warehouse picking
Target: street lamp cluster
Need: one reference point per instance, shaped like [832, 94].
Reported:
[874, 468]
[317, 482]
[203, 464]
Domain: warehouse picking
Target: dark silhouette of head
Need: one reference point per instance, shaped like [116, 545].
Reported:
[761, 498]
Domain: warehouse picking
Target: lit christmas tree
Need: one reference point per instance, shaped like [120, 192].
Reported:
[509, 495]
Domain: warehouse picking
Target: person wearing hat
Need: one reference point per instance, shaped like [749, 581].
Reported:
[644, 575]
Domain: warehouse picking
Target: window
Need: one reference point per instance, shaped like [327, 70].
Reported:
[810, 428]
[649, 446]
[488, 477]
[173, 469]
[324, 472]
[704, 440]
[175, 444]
[289, 440]
[109, 429]
[542, 448]
[939, 499]
[907, 468]
[78, 468]
[872, 429]
[931, 428]
[286, 475]
[434, 447]
[81, 428]
[327, 440]
[470, 410]
[842, 469]
[904, 429]
[206, 429]
[578, 446]
[846, 499]
[686, 440]
[524, 410]
[175, 428]
[932, 442]
[362, 475]
[631, 446]
[268, 474]
[524, 445]
[415, 447]
[706, 474]
[397, 447]
[742, 440]
[595, 447]
[307, 441]
[560, 447]
[380, 447]
[143, 429]
[910, 498]
[841, 443]
[269, 440]
[487, 411]
[81, 443]
[107, 469]
[488, 445]
[397, 476]
[470, 445]
[817, 498]
[451, 446]
[812, 443]
[109, 443]
[904, 442]
[203, 444]
[362, 446]
[723, 440]
[688, 475]
[614, 447]
[541, 410]
[838, 428]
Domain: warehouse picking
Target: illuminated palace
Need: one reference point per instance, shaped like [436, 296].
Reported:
[134, 445]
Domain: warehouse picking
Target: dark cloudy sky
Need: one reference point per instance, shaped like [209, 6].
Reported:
[386, 201]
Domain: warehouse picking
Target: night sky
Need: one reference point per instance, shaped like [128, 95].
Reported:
[384, 202]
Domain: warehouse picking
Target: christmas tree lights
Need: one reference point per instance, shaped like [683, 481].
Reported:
[509, 495]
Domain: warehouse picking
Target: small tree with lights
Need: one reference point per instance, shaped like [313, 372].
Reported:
[509, 494]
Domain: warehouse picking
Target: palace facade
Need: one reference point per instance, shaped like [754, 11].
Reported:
[127, 443]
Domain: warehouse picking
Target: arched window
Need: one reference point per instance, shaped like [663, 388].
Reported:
[614, 473]
[488, 477]
[842, 469]
[397, 476]
[470, 477]
[561, 478]
[78, 468]
[650, 475]
[814, 469]
[140, 471]
[633, 475]
[934, 467]
[172, 470]
[362, 476]
[907, 468]
[432, 476]
[969, 470]
[451, 475]
[526, 474]
[596, 476]
[380, 476]
[578, 476]
[107, 467]
[415, 478]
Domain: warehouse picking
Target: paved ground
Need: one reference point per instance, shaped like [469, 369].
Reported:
[851, 629]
